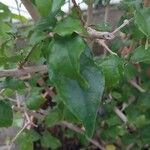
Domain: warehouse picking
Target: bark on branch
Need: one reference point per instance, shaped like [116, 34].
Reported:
[23, 72]
[31, 9]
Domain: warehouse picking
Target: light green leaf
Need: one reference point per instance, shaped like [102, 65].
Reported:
[142, 19]
[48, 141]
[68, 26]
[44, 7]
[141, 54]
[112, 67]
[6, 114]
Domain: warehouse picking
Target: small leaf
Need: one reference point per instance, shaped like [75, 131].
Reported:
[141, 54]
[25, 141]
[6, 114]
[52, 118]
[68, 26]
[112, 67]
[35, 100]
[57, 5]
[48, 141]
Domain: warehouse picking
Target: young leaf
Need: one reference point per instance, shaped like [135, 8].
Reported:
[6, 114]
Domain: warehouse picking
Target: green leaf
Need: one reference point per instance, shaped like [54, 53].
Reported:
[6, 114]
[57, 5]
[52, 118]
[83, 102]
[69, 25]
[44, 7]
[25, 141]
[64, 58]
[37, 37]
[141, 54]
[112, 67]
[144, 133]
[142, 19]
[35, 100]
[48, 141]
[4, 11]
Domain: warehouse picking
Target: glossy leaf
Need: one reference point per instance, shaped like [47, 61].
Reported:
[6, 114]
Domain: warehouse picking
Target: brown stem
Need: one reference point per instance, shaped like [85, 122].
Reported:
[23, 72]
[31, 9]
[90, 12]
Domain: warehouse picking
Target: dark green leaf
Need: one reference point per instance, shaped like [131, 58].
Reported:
[83, 102]
[6, 114]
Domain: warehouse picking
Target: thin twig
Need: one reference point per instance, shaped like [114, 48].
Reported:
[120, 115]
[17, 135]
[106, 13]
[79, 12]
[126, 22]
[139, 88]
[102, 43]
[28, 56]
[89, 12]
[79, 130]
